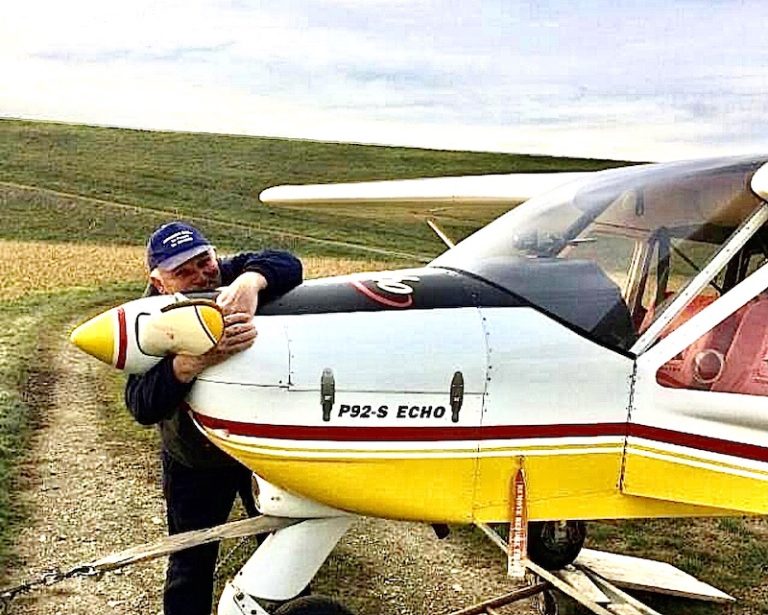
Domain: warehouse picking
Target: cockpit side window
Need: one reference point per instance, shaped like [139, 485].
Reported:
[647, 230]
[673, 261]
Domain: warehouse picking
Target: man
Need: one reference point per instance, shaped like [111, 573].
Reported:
[200, 482]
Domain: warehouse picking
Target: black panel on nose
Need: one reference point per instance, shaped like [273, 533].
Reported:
[417, 289]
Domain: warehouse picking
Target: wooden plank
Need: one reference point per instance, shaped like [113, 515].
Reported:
[582, 584]
[648, 575]
[620, 597]
[566, 589]
[623, 609]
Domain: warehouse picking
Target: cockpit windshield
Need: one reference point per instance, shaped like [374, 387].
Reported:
[608, 253]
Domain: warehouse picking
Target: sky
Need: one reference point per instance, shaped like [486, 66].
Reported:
[641, 80]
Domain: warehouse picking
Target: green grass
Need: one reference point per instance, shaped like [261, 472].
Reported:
[40, 216]
[217, 177]
[730, 553]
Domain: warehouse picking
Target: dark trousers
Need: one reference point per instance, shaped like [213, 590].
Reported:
[196, 499]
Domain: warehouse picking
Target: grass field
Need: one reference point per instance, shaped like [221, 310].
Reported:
[217, 179]
[35, 267]
[30, 268]
[76, 205]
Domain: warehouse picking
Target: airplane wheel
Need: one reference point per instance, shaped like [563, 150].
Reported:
[555, 544]
[312, 605]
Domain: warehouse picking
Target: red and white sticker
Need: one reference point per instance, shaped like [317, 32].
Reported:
[517, 546]
[388, 291]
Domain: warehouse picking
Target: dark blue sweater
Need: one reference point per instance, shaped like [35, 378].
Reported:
[157, 396]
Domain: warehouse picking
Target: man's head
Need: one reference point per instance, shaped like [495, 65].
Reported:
[180, 258]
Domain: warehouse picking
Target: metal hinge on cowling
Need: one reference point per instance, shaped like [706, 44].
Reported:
[457, 395]
[327, 393]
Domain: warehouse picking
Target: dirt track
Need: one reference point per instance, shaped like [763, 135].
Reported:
[89, 494]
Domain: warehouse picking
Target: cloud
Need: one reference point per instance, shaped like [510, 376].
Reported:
[647, 80]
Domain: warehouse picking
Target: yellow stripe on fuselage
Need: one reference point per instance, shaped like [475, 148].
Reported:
[292, 449]
[564, 482]
[714, 464]
[696, 480]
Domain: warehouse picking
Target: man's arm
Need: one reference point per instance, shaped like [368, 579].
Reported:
[281, 270]
[154, 396]
[242, 295]
[255, 276]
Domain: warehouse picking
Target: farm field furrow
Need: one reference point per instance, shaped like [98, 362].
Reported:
[42, 267]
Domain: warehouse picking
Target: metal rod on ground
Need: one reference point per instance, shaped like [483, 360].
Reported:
[518, 594]
[495, 538]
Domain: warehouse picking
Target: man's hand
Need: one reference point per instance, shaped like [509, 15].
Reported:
[239, 334]
[242, 296]
[238, 302]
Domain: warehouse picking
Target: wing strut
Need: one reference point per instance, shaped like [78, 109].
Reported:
[440, 233]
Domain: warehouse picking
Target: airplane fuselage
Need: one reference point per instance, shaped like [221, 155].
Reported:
[430, 388]
[610, 338]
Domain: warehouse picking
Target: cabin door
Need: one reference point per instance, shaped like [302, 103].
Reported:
[698, 432]
[556, 404]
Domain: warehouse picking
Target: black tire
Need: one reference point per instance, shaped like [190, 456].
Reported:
[312, 605]
[555, 544]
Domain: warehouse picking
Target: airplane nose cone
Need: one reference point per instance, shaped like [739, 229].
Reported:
[97, 337]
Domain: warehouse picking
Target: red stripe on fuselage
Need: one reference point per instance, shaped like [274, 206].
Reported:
[409, 434]
[498, 432]
[122, 344]
[702, 443]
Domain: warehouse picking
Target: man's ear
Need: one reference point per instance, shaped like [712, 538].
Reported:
[156, 281]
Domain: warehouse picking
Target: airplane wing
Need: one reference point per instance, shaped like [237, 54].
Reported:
[509, 189]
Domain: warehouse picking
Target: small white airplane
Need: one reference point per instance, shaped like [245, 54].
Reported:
[605, 345]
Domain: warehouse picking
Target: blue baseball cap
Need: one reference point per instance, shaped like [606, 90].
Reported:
[173, 244]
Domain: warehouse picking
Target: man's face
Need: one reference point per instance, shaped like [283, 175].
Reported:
[198, 273]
